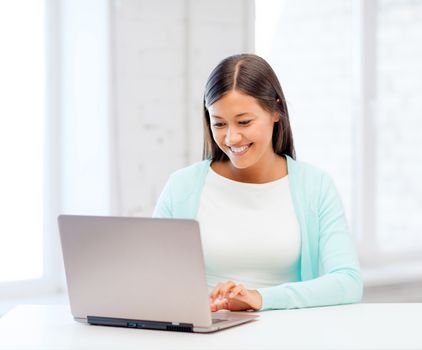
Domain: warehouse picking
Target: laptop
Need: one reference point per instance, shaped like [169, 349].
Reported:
[139, 273]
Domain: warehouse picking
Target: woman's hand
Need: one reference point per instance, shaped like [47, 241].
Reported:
[234, 297]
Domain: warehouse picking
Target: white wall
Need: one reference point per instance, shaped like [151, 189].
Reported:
[162, 54]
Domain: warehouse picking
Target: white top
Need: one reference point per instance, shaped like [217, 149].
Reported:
[249, 232]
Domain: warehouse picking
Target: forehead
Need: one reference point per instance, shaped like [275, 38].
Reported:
[233, 103]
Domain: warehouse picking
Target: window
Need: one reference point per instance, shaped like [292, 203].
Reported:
[398, 123]
[313, 48]
[22, 111]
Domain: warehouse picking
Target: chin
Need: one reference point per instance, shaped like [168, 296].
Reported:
[240, 165]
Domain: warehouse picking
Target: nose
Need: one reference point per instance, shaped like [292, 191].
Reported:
[232, 136]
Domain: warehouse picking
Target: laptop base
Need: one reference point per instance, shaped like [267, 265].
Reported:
[127, 323]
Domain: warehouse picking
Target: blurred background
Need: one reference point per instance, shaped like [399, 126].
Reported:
[100, 101]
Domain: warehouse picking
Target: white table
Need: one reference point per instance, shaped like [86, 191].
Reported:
[361, 326]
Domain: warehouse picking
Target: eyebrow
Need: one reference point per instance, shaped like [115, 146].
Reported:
[236, 116]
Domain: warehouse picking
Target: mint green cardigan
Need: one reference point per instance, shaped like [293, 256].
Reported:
[329, 268]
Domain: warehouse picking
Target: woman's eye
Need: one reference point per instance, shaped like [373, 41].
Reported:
[244, 122]
[218, 125]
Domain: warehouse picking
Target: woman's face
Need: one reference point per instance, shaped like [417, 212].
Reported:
[242, 129]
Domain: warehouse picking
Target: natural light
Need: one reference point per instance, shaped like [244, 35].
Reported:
[22, 87]
[311, 48]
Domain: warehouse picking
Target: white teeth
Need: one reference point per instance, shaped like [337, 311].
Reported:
[240, 149]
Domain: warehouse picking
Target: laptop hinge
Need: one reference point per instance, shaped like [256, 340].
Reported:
[123, 322]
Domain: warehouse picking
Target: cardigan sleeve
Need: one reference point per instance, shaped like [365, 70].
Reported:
[163, 208]
[339, 280]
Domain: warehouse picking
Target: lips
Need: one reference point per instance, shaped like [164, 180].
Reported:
[240, 150]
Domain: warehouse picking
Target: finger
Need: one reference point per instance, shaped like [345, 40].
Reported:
[223, 304]
[218, 300]
[213, 307]
[219, 290]
[238, 290]
[226, 288]
[216, 291]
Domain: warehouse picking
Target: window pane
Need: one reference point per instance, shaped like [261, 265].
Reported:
[22, 86]
[399, 126]
[308, 43]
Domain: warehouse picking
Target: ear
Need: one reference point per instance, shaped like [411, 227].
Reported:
[276, 117]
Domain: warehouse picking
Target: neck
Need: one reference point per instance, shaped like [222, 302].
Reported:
[272, 168]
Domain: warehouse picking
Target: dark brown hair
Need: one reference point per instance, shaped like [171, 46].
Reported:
[253, 76]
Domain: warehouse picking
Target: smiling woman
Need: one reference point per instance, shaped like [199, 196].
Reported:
[273, 229]
[247, 129]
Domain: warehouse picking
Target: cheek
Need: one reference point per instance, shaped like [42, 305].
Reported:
[269, 128]
[214, 135]
[258, 131]
[262, 134]
[217, 136]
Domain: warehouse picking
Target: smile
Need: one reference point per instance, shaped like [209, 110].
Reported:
[238, 151]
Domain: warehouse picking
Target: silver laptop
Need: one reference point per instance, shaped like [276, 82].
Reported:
[139, 273]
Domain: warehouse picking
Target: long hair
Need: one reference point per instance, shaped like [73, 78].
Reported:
[253, 76]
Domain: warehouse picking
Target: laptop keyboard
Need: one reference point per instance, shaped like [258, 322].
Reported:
[217, 320]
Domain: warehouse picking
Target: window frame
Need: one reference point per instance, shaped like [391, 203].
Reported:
[364, 101]
[51, 280]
